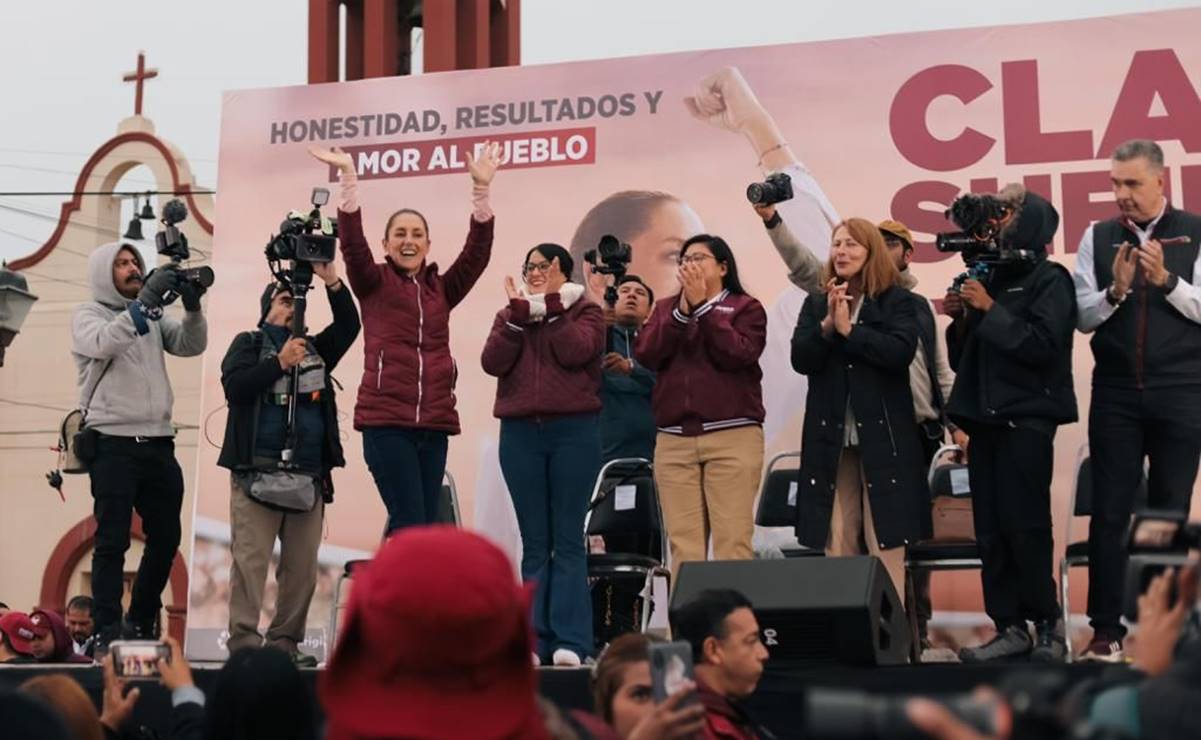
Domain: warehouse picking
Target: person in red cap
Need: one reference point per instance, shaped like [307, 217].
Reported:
[16, 630]
[52, 641]
[436, 651]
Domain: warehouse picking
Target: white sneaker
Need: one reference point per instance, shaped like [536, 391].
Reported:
[566, 658]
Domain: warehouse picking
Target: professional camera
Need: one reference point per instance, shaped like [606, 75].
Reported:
[1158, 540]
[310, 237]
[981, 217]
[1036, 704]
[173, 244]
[611, 257]
[775, 189]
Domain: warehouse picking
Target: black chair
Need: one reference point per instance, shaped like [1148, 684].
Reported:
[624, 510]
[448, 513]
[777, 506]
[934, 556]
[1075, 555]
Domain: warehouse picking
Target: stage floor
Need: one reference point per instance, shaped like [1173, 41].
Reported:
[777, 703]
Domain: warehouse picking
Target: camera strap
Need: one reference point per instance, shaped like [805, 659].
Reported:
[92, 393]
[929, 340]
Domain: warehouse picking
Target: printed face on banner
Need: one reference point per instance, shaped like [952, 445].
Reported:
[654, 150]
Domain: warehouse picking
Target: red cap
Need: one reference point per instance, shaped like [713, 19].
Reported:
[437, 640]
[20, 629]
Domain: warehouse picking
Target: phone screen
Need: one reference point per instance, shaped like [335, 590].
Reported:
[138, 659]
[671, 665]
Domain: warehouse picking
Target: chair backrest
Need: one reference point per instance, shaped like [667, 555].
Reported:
[448, 503]
[778, 493]
[625, 509]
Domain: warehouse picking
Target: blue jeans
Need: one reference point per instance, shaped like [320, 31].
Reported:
[408, 466]
[550, 468]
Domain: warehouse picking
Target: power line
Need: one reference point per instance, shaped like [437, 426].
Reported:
[77, 154]
[52, 171]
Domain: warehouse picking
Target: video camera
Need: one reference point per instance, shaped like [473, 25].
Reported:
[982, 218]
[173, 244]
[1037, 705]
[1158, 540]
[611, 257]
[775, 189]
[307, 237]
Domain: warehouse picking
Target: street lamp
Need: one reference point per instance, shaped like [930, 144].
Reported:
[15, 302]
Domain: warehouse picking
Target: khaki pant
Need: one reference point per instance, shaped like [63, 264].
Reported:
[707, 485]
[254, 528]
[851, 525]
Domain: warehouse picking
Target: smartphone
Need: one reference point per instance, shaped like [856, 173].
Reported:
[138, 659]
[671, 665]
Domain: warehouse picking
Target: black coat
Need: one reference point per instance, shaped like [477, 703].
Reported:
[870, 367]
[1014, 363]
[245, 377]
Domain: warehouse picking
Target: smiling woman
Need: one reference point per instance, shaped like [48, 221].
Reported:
[406, 404]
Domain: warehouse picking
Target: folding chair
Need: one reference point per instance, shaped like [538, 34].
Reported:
[777, 505]
[935, 556]
[448, 513]
[1075, 555]
[624, 509]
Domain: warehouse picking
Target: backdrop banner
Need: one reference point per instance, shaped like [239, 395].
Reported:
[655, 149]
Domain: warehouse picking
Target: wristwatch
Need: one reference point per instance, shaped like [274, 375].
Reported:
[1113, 300]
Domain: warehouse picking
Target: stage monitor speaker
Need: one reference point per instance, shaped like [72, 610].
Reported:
[812, 611]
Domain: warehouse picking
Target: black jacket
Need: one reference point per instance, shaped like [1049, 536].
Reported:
[1014, 363]
[627, 421]
[870, 367]
[245, 377]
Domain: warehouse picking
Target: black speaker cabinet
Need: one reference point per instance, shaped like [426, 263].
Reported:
[812, 611]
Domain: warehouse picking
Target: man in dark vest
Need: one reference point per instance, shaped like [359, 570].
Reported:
[261, 371]
[1135, 285]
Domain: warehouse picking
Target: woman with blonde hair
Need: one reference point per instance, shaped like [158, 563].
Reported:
[862, 487]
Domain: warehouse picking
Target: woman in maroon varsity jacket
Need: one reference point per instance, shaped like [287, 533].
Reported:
[545, 351]
[406, 404]
[704, 343]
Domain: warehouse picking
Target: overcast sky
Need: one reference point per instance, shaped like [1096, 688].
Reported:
[63, 62]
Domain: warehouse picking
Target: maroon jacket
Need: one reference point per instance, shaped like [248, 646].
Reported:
[550, 367]
[708, 364]
[408, 373]
[725, 720]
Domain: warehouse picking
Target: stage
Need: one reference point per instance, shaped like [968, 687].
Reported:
[777, 702]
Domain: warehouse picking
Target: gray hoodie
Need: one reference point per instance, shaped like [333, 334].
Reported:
[133, 398]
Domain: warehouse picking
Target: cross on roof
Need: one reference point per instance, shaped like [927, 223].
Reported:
[140, 75]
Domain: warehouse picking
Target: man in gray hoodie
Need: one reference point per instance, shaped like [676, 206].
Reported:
[118, 340]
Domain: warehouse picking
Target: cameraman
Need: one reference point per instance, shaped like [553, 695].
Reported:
[627, 422]
[257, 375]
[1135, 283]
[118, 340]
[1013, 387]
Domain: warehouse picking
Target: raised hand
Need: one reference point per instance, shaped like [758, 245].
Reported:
[1124, 266]
[511, 288]
[692, 280]
[334, 157]
[976, 295]
[292, 353]
[483, 169]
[117, 705]
[841, 309]
[1150, 257]
[725, 100]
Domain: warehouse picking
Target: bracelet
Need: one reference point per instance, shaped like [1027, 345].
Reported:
[771, 149]
[1115, 302]
[774, 221]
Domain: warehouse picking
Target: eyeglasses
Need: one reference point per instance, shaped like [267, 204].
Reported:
[696, 258]
[542, 267]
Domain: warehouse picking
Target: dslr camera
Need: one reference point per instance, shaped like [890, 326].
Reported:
[1158, 540]
[302, 237]
[173, 244]
[775, 189]
[611, 257]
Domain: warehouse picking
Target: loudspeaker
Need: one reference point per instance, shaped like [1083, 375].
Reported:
[812, 611]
